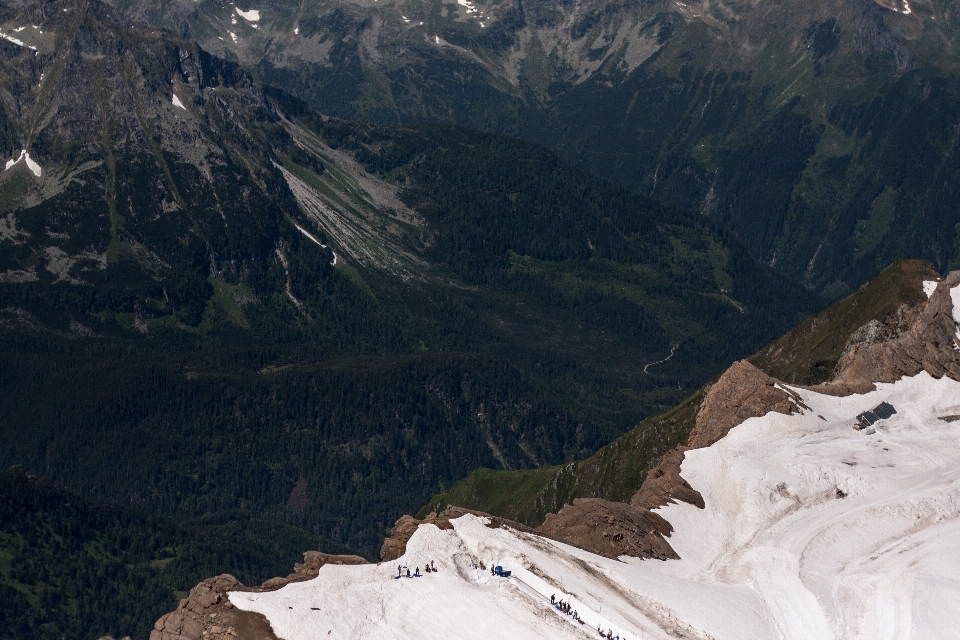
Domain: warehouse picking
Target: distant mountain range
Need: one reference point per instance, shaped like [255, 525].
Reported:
[214, 299]
[822, 134]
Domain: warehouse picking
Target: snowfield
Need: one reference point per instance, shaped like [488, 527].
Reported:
[812, 530]
[32, 164]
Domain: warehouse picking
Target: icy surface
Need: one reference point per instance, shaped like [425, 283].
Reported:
[250, 16]
[30, 162]
[929, 286]
[177, 103]
[811, 530]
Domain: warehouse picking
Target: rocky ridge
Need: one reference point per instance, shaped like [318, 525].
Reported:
[207, 614]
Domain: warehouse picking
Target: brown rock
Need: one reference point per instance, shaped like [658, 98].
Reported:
[610, 529]
[310, 568]
[207, 614]
[742, 392]
[920, 339]
[664, 485]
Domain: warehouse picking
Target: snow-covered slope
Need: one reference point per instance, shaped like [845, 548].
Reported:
[811, 530]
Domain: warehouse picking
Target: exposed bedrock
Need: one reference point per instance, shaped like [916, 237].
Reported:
[207, 614]
[923, 338]
[610, 529]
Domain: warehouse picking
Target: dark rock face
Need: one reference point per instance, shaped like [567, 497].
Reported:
[157, 170]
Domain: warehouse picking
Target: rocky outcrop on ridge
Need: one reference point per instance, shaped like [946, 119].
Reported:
[664, 485]
[742, 392]
[610, 529]
[310, 568]
[396, 544]
[207, 614]
[912, 340]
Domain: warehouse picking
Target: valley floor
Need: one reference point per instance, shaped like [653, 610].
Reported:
[811, 530]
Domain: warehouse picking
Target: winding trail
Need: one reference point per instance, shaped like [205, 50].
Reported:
[309, 235]
[672, 349]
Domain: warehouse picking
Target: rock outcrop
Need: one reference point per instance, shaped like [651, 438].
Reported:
[396, 544]
[742, 392]
[207, 614]
[610, 529]
[310, 568]
[664, 485]
[912, 340]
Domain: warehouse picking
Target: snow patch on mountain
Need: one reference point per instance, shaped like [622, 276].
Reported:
[811, 530]
[177, 103]
[253, 15]
[929, 286]
[17, 41]
[955, 298]
[30, 162]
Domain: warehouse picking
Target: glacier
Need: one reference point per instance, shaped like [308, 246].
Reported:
[811, 529]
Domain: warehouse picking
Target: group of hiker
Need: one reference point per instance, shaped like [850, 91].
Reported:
[564, 607]
[429, 568]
